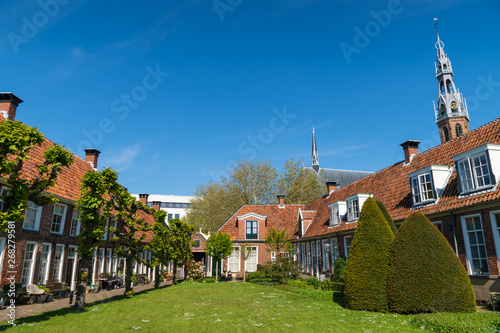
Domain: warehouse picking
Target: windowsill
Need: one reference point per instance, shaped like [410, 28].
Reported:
[333, 226]
[56, 233]
[32, 230]
[423, 203]
[476, 191]
[354, 220]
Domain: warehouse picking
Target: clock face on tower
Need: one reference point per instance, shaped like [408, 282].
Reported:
[443, 108]
[454, 105]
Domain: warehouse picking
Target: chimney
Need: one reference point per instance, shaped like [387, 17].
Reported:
[331, 186]
[281, 201]
[8, 105]
[411, 148]
[91, 156]
[156, 205]
[143, 198]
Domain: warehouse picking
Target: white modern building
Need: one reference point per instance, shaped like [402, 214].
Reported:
[175, 205]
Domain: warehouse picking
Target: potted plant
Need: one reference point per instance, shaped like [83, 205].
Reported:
[46, 297]
[65, 291]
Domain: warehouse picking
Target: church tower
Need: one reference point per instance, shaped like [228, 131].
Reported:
[315, 159]
[451, 113]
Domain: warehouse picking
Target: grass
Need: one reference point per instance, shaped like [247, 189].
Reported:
[216, 307]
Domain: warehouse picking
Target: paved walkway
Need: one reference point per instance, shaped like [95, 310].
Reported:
[27, 310]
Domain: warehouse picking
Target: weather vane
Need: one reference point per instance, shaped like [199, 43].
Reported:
[436, 25]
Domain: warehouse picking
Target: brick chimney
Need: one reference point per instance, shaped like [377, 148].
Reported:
[91, 156]
[156, 205]
[8, 105]
[410, 148]
[143, 198]
[331, 186]
[281, 200]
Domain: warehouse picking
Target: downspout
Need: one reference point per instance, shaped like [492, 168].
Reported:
[452, 216]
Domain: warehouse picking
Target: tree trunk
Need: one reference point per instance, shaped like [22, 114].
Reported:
[217, 270]
[244, 275]
[157, 277]
[82, 286]
[128, 276]
[174, 273]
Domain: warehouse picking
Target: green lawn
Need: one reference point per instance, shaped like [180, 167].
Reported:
[216, 307]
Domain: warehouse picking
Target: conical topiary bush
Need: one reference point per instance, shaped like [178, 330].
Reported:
[425, 275]
[388, 217]
[368, 262]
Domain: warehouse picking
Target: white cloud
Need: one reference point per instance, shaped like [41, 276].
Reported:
[125, 159]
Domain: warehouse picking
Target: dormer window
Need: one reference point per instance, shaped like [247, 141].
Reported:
[354, 204]
[427, 184]
[421, 187]
[475, 168]
[337, 211]
[252, 230]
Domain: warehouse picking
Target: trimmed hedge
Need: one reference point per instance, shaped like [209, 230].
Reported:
[388, 217]
[368, 263]
[425, 275]
[339, 270]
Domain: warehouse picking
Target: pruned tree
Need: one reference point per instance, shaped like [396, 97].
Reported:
[18, 144]
[94, 208]
[388, 217]
[245, 253]
[278, 242]
[180, 243]
[219, 246]
[368, 263]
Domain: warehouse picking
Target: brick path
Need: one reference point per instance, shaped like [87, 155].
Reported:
[27, 310]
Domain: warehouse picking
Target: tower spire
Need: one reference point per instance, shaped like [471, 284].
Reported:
[315, 159]
[451, 112]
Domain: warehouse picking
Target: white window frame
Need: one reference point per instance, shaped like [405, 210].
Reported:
[75, 218]
[44, 274]
[308, 253]
[63, 219]
[347, 249]
[336, 212]
[4, 190]
[495, 226]
[253, 254]
[234, 260]
[105, 237]
[318, 252]
[304, 257]
[102, 258]
[254, 226]
[326, 259]
[38, 214]
[420, 188]
[353, 209]
[468, 245]
[3, 242]
[469, 173]
[57, 272]
[109, 259]
[75, 264]
[30, 271]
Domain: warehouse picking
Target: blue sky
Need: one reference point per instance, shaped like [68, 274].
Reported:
[172, 92]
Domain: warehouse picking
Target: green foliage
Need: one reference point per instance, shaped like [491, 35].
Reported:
[278, 242]
[262, 282]
[425, 275]
[368, 264]
[255, 275]
[302, 284]
[282, 269]
[17, 142]
[388, 217]
[195, 270]
[299, 185]
[313, 282]
[458, 322]
[339, 270]
[219, 246]
[44, 288]
[312, 293]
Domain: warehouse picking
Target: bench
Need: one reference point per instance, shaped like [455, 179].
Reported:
[20, 291]
[58, 289]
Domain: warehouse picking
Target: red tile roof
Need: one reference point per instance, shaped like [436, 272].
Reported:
[391, 185]
[277, 218]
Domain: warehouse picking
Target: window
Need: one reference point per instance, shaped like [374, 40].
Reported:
[4, 191]
[251, 263]
[421, 187]
[3, 240]
[439, 225]
[177, 205]
[100, 262]
[28, 263]
[273, 256]
[335, 250]
[334, 215]
[495, 224]
[177, 216]
[169, 217]
[446, 134]
[347, 245]
[58, 259]
[458, 130]
[326, 258]
[233, 261]
[197, 243]
[105, 237]
[74, 230]
[475, 245]
[113, 225]
[108, 260]
[171, 205]
[43, 270]
[474, 173]
[304, 257]
[58, 217]
[308, 250]
[33, 213]
[353, 209]
[252, 230]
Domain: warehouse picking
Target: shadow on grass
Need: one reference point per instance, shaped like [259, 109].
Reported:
[44, 316]
[338, 297]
